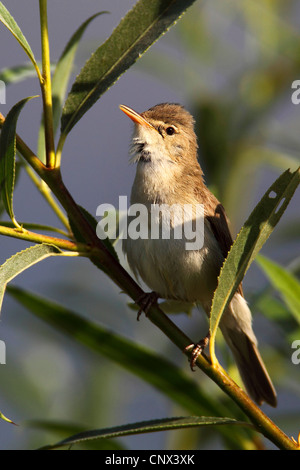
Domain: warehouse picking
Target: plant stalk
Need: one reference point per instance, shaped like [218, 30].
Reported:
[46, 193]
[46, 87]
[24, 234]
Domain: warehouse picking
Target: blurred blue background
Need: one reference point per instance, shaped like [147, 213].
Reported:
[232, 66]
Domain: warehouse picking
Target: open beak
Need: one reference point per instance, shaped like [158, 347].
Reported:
[135, 117]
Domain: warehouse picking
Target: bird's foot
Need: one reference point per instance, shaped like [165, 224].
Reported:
[197, 349]
[145, 301]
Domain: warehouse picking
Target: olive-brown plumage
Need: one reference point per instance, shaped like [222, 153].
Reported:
[164, 147]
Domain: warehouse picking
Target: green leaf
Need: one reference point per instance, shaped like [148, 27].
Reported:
[23, 260]
[61, 78]
[276, 311]
[10, 23]
[155, 425]
[148, 366]
[249, 241]
[17, 73]
[285, 282]
[8, 155]
[142, 26]
[5, 418]
[64, 68]
[62, 428]
[274, 158]
[17, 173]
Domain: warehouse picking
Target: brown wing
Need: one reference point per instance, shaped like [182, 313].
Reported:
[215, 215]
[220, 226]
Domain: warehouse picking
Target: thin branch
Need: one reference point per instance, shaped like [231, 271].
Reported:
[26, 235]
[46, 193]
[34, 226]
[46, 87]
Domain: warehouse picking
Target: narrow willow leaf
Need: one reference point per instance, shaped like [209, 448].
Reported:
[6, 419]
[18, 167]
[249, 241]
[64, 68]
[10, 23]
[17, 73]
[65, 429]
[276, 159]
[61, 78]
[285, 282]
[148, 366]
[142, 26]
[23, 260]
[8, 155]
[156, 425]
[273, 308]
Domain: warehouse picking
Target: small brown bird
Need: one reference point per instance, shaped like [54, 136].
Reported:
[164, 146]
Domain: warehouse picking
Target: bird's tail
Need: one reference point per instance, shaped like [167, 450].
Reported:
[237, 330]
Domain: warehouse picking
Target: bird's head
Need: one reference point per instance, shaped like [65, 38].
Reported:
[164, 133]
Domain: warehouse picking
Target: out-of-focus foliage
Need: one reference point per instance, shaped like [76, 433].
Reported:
[237, 64]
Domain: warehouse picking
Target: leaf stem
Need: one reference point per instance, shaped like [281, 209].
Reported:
[101, 257]
[46, 87]
[26, 235]
[46, 193]
[59, 149]
[34, 226]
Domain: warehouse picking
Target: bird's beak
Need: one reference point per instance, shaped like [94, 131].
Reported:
[135, 117]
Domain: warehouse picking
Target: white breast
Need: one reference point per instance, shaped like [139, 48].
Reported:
[167, 266]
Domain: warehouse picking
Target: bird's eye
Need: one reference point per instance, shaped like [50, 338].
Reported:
[170, 130]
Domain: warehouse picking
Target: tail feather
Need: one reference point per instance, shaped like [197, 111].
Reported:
[251, 368]
[237, 331]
